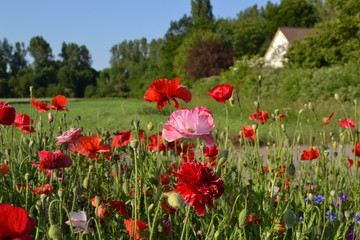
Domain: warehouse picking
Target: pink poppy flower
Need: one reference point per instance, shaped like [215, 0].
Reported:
[194, 123]
[348, 123]
[79, 220]
[69, 136]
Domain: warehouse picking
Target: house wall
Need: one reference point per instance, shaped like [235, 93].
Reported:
[274, 56]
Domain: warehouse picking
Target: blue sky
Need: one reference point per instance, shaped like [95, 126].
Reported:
[100, 24]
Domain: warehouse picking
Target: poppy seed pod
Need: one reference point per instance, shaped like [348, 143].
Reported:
[175, 201]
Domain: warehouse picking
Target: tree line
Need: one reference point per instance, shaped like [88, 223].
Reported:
[195, 46]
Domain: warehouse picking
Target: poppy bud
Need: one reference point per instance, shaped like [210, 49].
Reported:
[40, 124]
[27, 175]
[232, 100]
[175, 201]
[291, 169]
[355, 101]
[125, 188]
[150, 207]
[336, 96]
[301, 111]
[254, 126]
[347, 214]
[134, 143]
[242, 217]
[276, 111]
[289, 218]
[50, 117]
[311, 106]
[98, 200]
[150, 126]
[60, 192]
[55, 232]
[86, 182]
[326, 153]
[310, 196]
[136, 124]
[283, 127]
[332, 193]
[257, 104]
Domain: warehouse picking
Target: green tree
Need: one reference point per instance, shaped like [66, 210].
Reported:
[41, 51]
[18, 60]
[201, 11]
[75, 56]
[5, 57]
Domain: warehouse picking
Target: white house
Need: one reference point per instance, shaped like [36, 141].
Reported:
[274, 56]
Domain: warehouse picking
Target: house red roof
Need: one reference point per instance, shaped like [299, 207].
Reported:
[293, 34]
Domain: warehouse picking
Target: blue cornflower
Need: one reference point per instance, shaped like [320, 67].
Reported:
[331, 215]
[357, 218]
[318, 199]
[344, 197]
[300, 219]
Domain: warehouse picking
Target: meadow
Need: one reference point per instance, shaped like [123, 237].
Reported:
[291, 175]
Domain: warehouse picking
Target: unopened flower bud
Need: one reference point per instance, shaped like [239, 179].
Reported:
[310, 196]
[257, 104]
[55, 232]
[291, 169]
[311, 106]
[150, 126]
[347, 214]
[301, 111]
[336, 96]
[86, 182]
[289, 218]
[332, 193]
[136, 124]
[242, 217]
[232, 100]
[254, 126]
[50, 117]
[134, 143]
[175, 201]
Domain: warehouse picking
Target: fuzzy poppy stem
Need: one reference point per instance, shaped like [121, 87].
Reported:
[186, 222]
[136, 191]
[155, 217]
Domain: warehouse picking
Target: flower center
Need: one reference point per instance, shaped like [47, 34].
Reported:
[191, 130]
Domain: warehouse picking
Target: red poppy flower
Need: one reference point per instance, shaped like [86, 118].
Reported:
[122, 139]
[252, 219]
[164, 90]
[198, 185]
[248, 132]
[23, 122]
[167, 208]
[69, 136]
[327, 121]
[7, 114]
[90, 147]
[351, 163]
[222, 92]
[130, 227]
[164, 179]
[211, 152]
[52, 160]
[40, 106]
[357, 149]
[15, 222]
[310, 154]
[156, 143]
[58, 103]
[348, 123]
[119, 206]
[4, 169]
[46, 189]
[259, 116]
